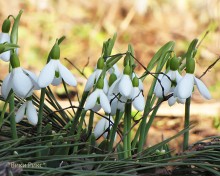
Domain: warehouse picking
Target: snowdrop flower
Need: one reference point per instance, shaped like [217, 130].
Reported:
[21, 81]
[5, 37]
[29, 110]
[102, 126]
[137, 98]
[95, 76]
[116, 100]
[172, 100]
[98, 95]
[54, 71]
[185, 86]
[125, 85]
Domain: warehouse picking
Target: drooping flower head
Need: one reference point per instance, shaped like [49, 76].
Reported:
[98, 97]
[185, 86]
[94, 77]
[29, 110]
[21, 81]
[54, 71]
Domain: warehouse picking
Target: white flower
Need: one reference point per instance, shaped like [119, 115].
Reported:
[138, 99]
[116, 101]
[21, 81]
[48, 76]
[98, 94]
[166, 82]
[5, 37]
[185, 87]
[29, 110]
[93, 78]
[101, 126]
[125, 86]
[172, 100]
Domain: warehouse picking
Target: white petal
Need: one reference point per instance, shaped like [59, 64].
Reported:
[90, 82]
[182, 101]
[157, 83]
[97, 107]
[6, 86]
[185, 86]
[166, 84]
[107, 123]
[178, 76]
[56, 81]
[21, 83]
[100, 127]
[91, 101]
[67, 75]
[47, 74]
[20, 113]
[104, 102]
[172, 101]
[105, 88]
[31, 113]
[114, 106]
[5, 56]
[138, 99]
[121, 104]
[33, 78]
[113, 89]
[202, 89]
[125, 86]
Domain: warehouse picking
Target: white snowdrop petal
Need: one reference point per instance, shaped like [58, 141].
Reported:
[125, 86]
[56, 81]
[20, 113]
[67, 75]
[100, 127]
[202, 88]
[114, 106]
[185, 86]
[33, 78]
[172, 101]
[105, 88]
[104, 102]
[165, 83]
[113, 89]
[5, 56]
[138, 99]
[91, 101]
[6, 86]
[47, 74]
[90, 82]
[31, 113]
[97, 107]
[21, 83]
[178, 76]
[182, 101]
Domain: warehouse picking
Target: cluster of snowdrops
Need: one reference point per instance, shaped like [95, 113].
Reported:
[109, 88]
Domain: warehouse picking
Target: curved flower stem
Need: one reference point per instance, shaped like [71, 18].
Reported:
[12, 117]
[186, 124]
[40, 114]
[127, 132]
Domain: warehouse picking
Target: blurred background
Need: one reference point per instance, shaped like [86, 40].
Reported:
[146, 24]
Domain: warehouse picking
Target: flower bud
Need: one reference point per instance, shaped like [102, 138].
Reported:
[14, 61]
[127, 70]
[100, 83]
[135, 82]
[6, 26]
[174, 63]
[190, 66]
[101, 63]
[112, 79]
[55, 52]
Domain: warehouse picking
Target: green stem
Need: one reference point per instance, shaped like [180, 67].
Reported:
[127, 132]
[78, 113]
[40, 115]
[12, 117]
[114, 130]
[186, 124]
